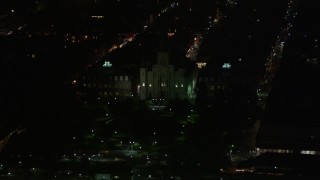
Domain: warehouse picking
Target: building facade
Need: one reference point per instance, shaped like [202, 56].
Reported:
[164, 81]
[105, 82]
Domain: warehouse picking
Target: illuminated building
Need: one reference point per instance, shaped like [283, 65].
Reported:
[164, 81]
[105, 82]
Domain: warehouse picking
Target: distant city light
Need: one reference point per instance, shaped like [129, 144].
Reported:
[226, 66]
[171, 34]
[309, 152]
[201, 64]
[107, 64]
[98, 17]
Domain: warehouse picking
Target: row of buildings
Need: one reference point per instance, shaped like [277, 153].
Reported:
[158, 80]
